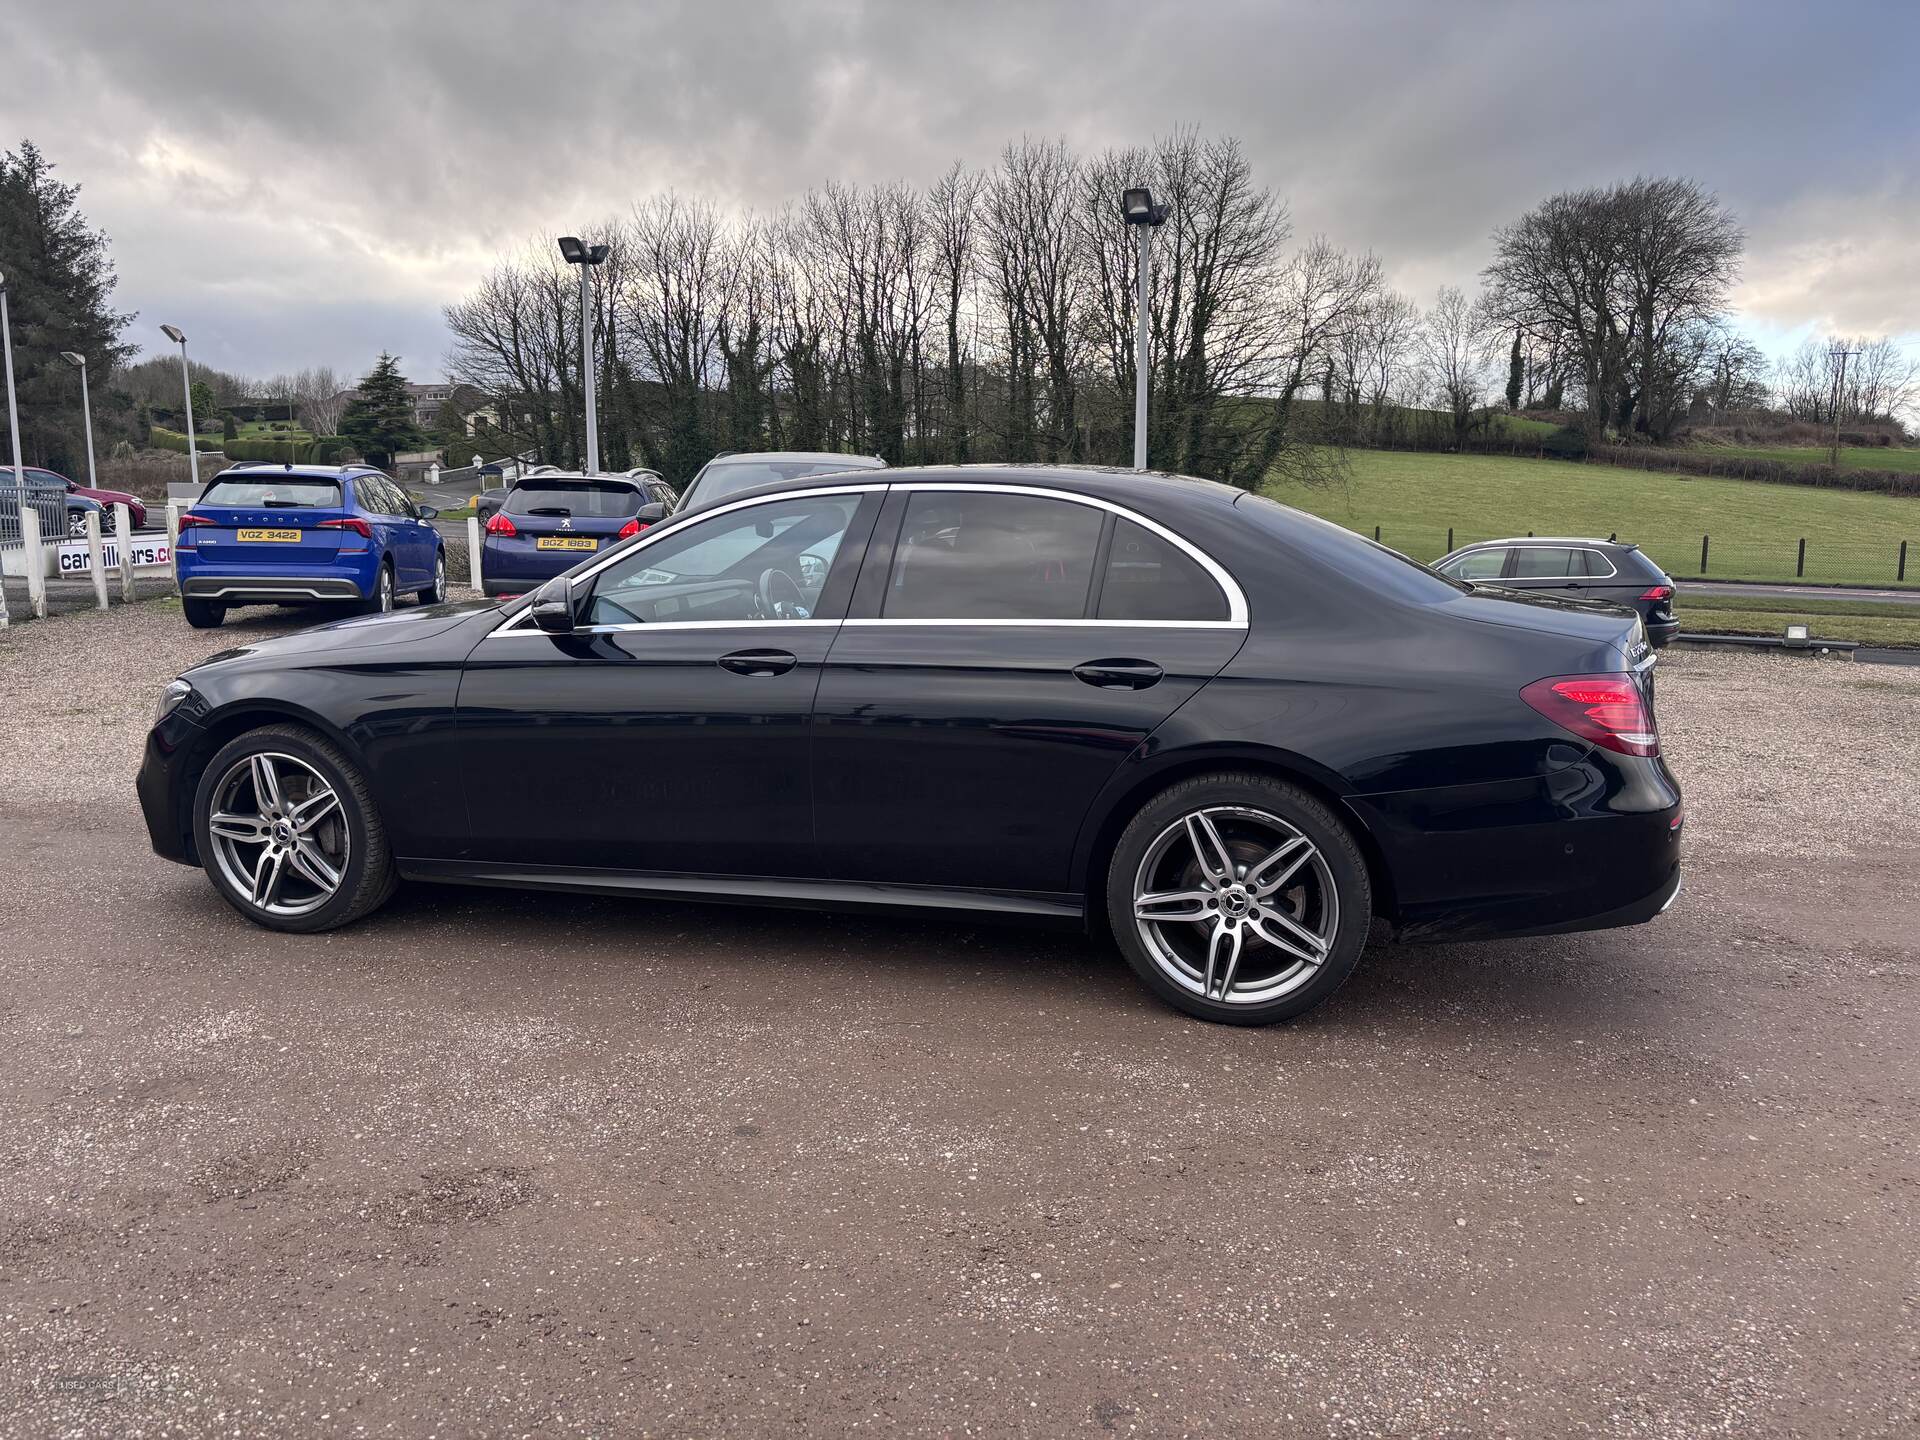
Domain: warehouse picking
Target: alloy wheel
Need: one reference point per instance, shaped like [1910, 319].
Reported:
[77, 525]
[386, 590]
[280, 836]
[1236, 905]
[439, 578]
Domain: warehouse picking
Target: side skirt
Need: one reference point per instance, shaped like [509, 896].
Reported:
[753, 890]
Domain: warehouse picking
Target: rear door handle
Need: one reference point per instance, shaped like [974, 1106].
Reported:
[758, 662]
[1119, 674]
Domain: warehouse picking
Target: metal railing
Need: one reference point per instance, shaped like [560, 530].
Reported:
[49, 502]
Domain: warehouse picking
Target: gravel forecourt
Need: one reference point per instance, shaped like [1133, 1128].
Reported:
[497, 1164]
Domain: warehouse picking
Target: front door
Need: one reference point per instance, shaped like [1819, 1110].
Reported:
[1008, 647]
[670, 732]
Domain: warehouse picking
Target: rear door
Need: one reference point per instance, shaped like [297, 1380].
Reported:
[391, 515]
[1008, 646]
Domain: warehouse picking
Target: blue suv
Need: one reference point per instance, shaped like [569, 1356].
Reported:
[305, 534]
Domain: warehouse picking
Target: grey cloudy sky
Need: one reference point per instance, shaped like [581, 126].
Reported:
[306, 183]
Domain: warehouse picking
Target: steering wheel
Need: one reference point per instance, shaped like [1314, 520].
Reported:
[772, 605]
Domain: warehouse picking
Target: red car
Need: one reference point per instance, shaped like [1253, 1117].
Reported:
[76, 522]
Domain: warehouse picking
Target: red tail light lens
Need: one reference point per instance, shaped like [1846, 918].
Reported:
[352, 522]
[1609, 710]
[631, 528]
[499, 524]
[188, 520]
[1657, 592]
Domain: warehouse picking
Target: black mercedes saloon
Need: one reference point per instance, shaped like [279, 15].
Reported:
[1234, 737]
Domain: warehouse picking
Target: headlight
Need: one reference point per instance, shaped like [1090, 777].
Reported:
[170, 698]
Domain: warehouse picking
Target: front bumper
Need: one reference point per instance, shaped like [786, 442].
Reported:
[164, 787]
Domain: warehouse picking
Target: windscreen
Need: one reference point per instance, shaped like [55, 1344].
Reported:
[289, 492]
[732, 478]
[581, 499]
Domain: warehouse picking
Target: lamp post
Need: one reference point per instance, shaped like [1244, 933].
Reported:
[186, 380]
[586, 257]
[79, 362]
[1137, 209]
[13, 404]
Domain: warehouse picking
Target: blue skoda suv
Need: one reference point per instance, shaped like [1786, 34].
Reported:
[305, 534]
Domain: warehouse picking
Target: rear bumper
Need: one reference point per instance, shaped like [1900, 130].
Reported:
[515, 568]
[1662, 633]
[239, 589]
[1590, 847]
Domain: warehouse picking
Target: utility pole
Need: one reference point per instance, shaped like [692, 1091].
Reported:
[1839, 394]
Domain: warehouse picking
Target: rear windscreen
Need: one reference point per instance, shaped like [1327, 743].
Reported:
[585, 500]
[291, 492]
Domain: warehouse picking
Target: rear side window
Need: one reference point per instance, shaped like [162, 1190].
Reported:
[289, 492]
[582, 500]
[987, 556]
[1598, 566]
[1150, 578]
[1547, 562]
[377, 495]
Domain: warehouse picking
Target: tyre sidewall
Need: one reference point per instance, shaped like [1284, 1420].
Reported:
[338, 909]
[1332, 838]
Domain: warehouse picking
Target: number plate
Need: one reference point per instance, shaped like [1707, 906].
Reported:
[565, 542]
[278, 537]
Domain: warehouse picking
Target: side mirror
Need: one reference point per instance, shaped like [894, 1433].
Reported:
[651, 514]
[428, 512]
[552, 608]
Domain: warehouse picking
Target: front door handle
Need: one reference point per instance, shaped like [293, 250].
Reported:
[758, 662]
[1119, 674]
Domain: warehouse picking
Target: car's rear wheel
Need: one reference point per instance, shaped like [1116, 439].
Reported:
[203, 614]
[436, 593]
[1239, 898]
[288, 833]
[380, 602]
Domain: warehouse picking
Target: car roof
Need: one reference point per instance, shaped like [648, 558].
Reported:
[1128, 487]
[307, 472]
[852, 462]
[543, 477]
[1552, 540]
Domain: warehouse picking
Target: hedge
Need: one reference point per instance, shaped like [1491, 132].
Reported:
[325, 450]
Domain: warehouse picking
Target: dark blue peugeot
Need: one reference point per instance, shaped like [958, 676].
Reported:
[551, 520]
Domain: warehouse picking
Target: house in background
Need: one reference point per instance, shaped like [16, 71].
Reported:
[427, 400]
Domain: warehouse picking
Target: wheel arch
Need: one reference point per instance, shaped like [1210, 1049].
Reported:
[228, 724]
[1128, 795]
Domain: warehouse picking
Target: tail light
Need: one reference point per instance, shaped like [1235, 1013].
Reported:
[1609, 710]
[630, 529]
[499, 524]
[351, 522]
[1657, 593]
[187, 522]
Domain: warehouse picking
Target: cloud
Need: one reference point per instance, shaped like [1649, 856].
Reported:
[306, 184]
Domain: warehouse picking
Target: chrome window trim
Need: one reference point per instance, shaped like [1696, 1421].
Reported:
[662, 531]
[1236, 598]
[1229, 587]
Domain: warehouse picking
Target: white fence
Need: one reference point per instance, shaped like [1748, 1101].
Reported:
[37, 556]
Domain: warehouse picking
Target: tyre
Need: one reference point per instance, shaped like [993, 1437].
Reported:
[288, 833]
[1239, 898]
[380, 602]
[436, 593]
[203, 614]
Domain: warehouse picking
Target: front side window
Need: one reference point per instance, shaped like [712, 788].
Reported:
[1476, 565]
[768, 562]
[1547, 562]
[981, 555]
[1150, 578]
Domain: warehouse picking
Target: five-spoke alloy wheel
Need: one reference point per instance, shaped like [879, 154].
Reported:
[1239, 898]
[287, 832]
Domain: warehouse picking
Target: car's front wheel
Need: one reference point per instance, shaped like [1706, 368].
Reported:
[1239, 898]
[76, 524]
[288, 832]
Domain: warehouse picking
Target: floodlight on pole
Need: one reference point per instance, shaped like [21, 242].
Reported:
[172, 332]
[1138, 209]
[79, 362]
[586, 257]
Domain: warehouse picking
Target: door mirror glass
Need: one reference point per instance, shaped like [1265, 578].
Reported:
[651, 514]
[552, 608]
[428, 512]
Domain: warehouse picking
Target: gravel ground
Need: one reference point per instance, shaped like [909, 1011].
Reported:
[495, 1164]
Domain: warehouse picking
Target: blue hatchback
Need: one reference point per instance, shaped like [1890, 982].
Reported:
[305, 534]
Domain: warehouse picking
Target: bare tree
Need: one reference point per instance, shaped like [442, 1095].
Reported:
[1454, 344]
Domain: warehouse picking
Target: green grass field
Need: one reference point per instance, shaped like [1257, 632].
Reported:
[1755, 528]
[1852, 457]
[1859, 620]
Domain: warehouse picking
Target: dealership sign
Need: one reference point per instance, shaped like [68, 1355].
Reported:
[149, 551]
